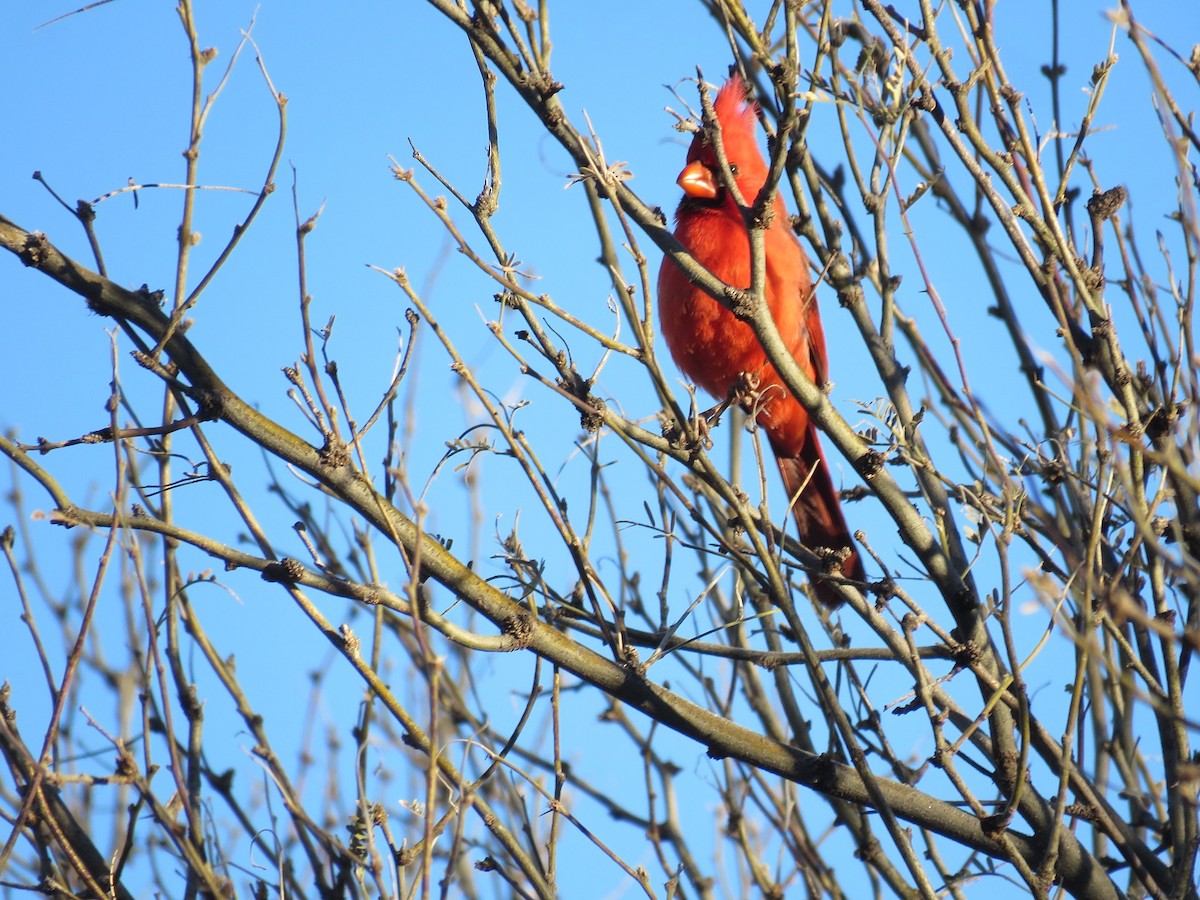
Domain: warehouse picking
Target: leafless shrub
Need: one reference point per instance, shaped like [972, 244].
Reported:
[914, 742]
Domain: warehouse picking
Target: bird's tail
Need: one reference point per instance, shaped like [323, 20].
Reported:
[818, 510]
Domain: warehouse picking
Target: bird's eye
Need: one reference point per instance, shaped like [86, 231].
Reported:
[733, 169]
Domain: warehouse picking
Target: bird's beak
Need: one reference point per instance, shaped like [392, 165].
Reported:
[698, 182]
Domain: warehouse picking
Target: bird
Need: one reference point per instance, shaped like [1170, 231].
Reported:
[720, 353]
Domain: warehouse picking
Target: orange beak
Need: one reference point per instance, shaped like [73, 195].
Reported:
[697, 181]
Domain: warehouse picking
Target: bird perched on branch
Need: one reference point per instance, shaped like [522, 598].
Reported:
[721, 353]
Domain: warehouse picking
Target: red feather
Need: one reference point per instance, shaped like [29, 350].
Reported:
[714, 349]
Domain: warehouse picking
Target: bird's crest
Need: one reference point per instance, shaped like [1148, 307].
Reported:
[734, 111]
[738, 118]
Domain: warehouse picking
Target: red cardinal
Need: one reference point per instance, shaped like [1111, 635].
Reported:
[713, 348]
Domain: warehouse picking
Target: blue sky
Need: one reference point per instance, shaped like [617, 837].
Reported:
[101, 98]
